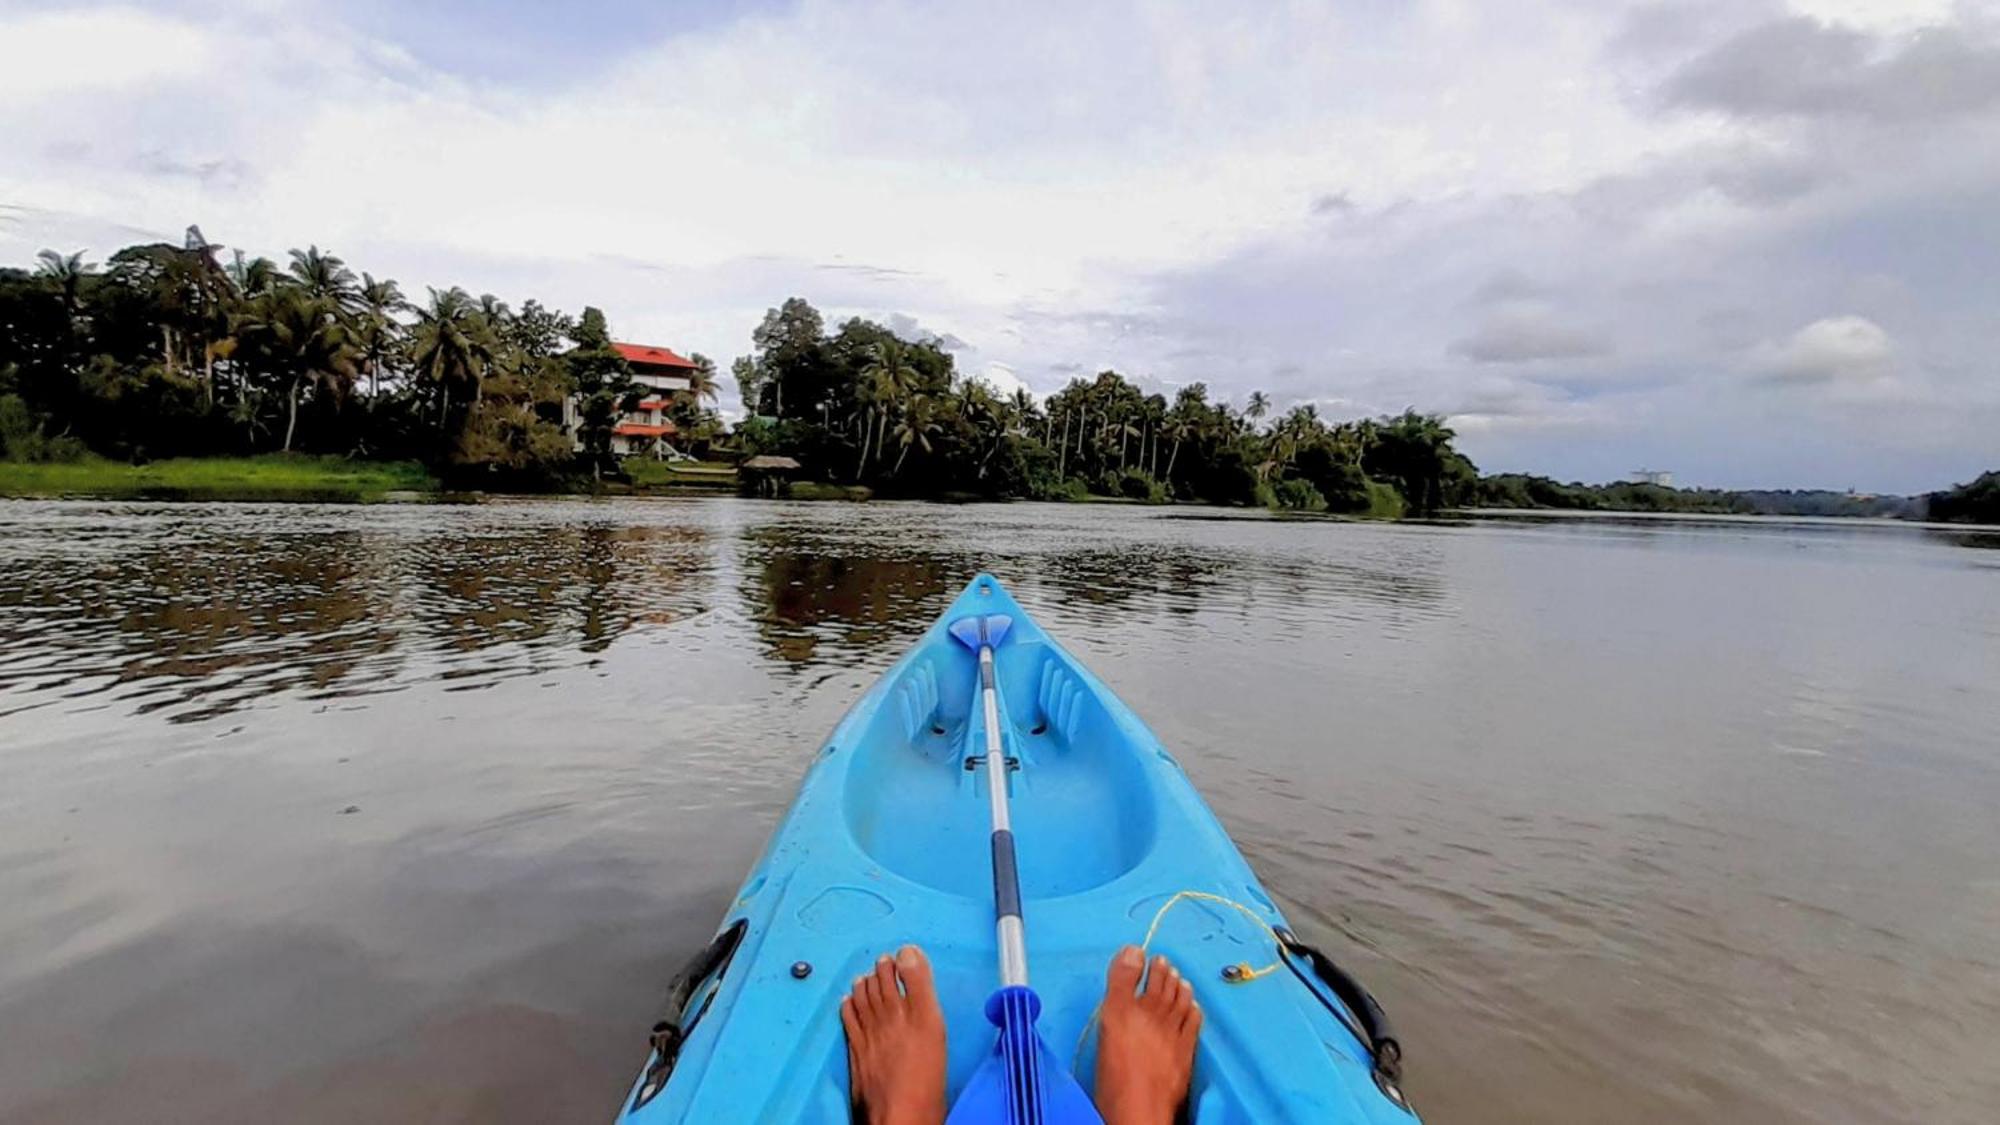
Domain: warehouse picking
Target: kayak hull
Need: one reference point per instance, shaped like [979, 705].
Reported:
[887, 844]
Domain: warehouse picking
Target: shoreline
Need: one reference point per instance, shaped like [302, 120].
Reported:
[302, 479]
[275, 477]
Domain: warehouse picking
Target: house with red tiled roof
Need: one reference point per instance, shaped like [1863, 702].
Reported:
[661, 374]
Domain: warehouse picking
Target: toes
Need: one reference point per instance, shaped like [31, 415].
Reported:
[887, 994]
[914, 969]
[865, 997]
[1121, 981]
[1190, 1023]
[1182, 1001]
[850, 1020]
[1160, 983]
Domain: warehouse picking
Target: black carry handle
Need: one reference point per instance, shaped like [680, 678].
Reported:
[1375, 1027]
[670, 1032]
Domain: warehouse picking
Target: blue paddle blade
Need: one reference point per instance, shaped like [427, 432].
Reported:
[1022, 1082]
[977, 630]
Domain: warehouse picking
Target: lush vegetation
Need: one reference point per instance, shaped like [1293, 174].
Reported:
[168, 352]
[270, 477]
[1977, 501]
[119, 380]
[1516, 490]
[857, 405]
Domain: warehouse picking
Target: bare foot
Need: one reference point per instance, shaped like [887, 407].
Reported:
[1145, 1050]
[895, 1042]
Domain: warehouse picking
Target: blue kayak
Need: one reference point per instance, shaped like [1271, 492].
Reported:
[888, 843]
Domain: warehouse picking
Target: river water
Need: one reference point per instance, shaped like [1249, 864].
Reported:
[318, 814]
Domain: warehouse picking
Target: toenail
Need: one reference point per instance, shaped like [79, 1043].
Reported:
[1129, 956]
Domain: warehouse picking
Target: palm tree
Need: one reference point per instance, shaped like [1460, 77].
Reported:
[1153, 415]
[300, 340]
[1298, 428]
[452, 346]
[64, 273]
[987, 414]
[1260, 405]
[915, 428]
[1024, 406]
[252, 276]
[1180, 428]
[701, 378]
[206, 296]
[325, 276]
[248, 412]
[1418, 447]
[376, 328]
[889, 381]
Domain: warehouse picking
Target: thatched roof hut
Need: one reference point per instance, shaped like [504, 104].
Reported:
[767, 475]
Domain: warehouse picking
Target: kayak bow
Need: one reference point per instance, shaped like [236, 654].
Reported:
[1110, 845]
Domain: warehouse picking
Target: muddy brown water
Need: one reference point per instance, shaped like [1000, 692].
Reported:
[318, 814]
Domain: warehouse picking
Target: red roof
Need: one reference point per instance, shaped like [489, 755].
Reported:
[635, 429]
[652, 356]
[655, 404]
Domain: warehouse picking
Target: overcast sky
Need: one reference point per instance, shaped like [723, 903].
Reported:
[1757, 244]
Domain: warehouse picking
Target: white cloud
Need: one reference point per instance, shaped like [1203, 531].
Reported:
[1837, 349]
[46, 55]
[1002, 379]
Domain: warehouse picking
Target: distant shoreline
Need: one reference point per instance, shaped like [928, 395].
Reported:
[332, 480]
[1607, 514]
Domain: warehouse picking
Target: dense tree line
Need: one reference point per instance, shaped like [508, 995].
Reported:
[1976, 501]
[859, 405]
[168, 351]
[1519, 490]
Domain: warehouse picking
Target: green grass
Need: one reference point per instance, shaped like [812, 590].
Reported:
[275, 477]
[650, 475]
[815, 490]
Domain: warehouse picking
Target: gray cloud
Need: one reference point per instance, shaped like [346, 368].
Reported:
[1332, 203]
[1801, 67]
[910, 328]
[1520, 331]
[1673, 28]
[221, 173]
[863, 270]
[1509, 284]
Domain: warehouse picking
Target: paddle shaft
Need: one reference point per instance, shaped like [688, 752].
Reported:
[1008, 927]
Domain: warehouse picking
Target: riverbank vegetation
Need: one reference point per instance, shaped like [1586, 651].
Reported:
[167, 354]
[272, 477]
[1976, 501]
[1521, 491]
[858, 405]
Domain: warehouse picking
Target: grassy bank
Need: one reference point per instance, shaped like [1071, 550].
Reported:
[271, 478]
[649, 476]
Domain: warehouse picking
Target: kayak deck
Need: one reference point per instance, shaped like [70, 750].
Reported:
[887, 844]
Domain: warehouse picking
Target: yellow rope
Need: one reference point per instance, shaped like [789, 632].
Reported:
[1245, 973]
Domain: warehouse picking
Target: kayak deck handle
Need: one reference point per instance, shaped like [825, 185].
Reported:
[670, 1032]
[1383, 1046]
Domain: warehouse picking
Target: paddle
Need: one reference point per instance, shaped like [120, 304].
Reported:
[1022, 1082]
